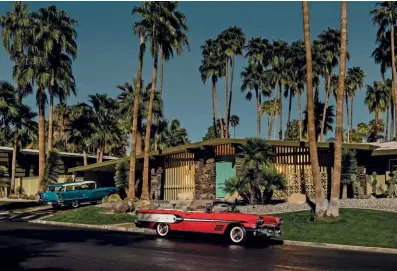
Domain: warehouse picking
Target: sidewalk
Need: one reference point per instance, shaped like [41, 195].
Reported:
[124, 228]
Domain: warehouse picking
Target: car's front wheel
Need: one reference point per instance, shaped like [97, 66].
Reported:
[237, 234]
[163, 229]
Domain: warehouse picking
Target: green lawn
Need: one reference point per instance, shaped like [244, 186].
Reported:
[356, 227]
[91, 215]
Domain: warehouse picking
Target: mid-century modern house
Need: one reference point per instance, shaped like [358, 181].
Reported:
[27, 166]
[201, 168]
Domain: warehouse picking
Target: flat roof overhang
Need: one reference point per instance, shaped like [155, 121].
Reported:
[110, 165]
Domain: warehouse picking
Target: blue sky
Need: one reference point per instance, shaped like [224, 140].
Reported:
[107, 52]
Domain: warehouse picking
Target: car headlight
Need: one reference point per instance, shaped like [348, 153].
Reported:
[259, 220]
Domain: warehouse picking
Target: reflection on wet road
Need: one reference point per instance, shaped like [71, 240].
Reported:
[25, 246]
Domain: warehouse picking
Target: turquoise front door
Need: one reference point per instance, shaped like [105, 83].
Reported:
[224, 170]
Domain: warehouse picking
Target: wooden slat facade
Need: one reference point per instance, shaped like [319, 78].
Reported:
[179, 175]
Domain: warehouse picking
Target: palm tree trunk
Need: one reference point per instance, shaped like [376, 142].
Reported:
[387, 123]
[14, 163]
[231, 94]
[392, 116]
[393, 64]
[41, 102]
[258, 114]
[269, 127]
[51, 112]
[344, 193]
[333, 208]
[234, 132]
[213, 105]
[97, 155]
[85, 163]
[289, 109]
[328, 87]
[300, 115]
[351, 115]
[227, 96]
[136, 136]
[280, 133]
[347, 116]
[321, 202]
[145, 184]
[161, 96]
[220, 115]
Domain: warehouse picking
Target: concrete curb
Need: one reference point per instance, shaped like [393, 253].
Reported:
[120, 228]
[341, 247]
[97, 227]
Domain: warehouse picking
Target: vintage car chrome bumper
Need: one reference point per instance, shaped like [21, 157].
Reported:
[266, 231]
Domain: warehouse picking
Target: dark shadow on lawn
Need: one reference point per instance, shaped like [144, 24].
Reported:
[15, 205]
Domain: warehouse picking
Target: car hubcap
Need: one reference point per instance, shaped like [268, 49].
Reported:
[75, 203]
[236, 235]
[162, 229]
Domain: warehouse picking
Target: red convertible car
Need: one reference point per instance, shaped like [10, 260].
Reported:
[218, 218]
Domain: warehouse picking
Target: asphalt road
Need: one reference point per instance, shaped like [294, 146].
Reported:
[26, 246]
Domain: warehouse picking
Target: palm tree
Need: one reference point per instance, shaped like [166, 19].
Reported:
[385, 16]
[354, 80]
[163, 21]
[321, 202]
[318, 118]
[333, 208]
[376, 100]
[212, 67]
[176, 42]
[254, 79]
[126, 108]
[270, 107]
[389, 105]
[329, 41]
[141, 28]
[55, 30]
[278, 75]
[234, 122]
[171, 134]
[381, 55]
[232, 42]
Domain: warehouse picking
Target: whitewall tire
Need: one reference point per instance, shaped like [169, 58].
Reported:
[163, 229]
[75, 204]
[237, 235]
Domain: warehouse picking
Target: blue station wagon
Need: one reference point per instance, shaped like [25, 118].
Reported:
[73, 194]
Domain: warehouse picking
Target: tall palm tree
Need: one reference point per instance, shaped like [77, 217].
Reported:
[354, 80]
[321, 202]
[254, 79]
[381, 55]
[171, 134]
[55, 30]
[318, 118]
[163, 21]
[212, 67]
[234, 122]
[376, 100]
[333, 208]
[166, 51]
[141, 28]
[329, 41]
[278, 74]
[385, 16]
[232, 42]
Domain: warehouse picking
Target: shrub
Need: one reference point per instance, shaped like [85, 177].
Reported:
[51, 168]
[24, 196]
[20, 190]
[13, 196]
[32, 197]
[105, 199]
[114, 198]
[122, 174]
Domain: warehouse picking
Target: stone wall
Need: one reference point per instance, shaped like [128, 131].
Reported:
[205, 179]
[155, 182]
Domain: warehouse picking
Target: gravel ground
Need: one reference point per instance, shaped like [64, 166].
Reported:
[375, 204]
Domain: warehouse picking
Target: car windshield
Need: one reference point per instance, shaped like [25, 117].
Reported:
[54, 188]
[223, 207]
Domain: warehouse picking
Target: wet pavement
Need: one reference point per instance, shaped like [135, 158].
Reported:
[26, 246]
